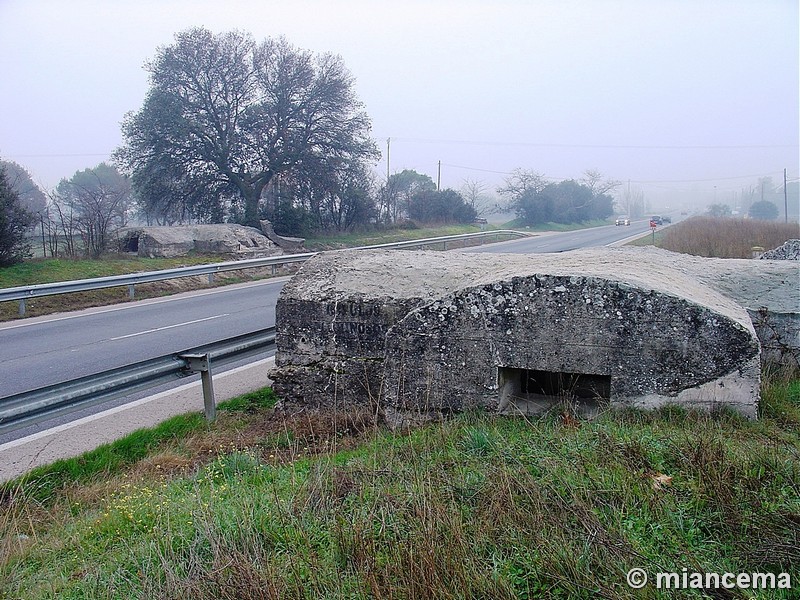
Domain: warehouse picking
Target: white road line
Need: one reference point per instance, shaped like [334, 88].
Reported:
[130, 335]
[98, 310]
[123, 407]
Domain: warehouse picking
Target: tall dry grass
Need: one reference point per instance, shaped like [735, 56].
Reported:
[715, 237]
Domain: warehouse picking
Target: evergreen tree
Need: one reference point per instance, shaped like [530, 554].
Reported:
[14, 222]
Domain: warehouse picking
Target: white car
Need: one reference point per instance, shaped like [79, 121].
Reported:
[622, 221]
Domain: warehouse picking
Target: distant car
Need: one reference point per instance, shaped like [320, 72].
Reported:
[666, 219]
[657, 220]
[480, 221]
[622, 221]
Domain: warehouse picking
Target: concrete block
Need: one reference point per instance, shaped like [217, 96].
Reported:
[421, 334]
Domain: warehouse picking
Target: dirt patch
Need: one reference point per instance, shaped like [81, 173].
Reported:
[275, 436]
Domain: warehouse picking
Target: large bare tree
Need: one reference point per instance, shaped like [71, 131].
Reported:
[225, 110]
[93, 203]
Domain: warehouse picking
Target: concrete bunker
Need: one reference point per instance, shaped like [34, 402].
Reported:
[425, 333]
[232, 240]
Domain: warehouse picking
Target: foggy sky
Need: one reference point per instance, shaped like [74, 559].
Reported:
[689, 99]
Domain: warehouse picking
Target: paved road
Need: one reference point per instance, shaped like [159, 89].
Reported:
[54, 349]
[568, 240]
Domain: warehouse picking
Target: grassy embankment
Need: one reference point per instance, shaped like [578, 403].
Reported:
[266, 505]
[50, 270]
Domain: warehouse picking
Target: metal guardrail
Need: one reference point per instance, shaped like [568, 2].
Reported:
[27, 292]
[28, 408]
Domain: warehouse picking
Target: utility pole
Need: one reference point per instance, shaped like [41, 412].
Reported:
[785, 200]
[439, 178]
[628, 201]
[44, 247]
[388, 142]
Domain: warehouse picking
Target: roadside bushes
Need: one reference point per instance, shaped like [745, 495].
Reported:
[726, 238]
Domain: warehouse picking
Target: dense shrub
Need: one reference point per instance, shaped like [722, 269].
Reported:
[14, 222]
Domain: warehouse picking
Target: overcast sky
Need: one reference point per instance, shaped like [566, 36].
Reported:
[675, 96]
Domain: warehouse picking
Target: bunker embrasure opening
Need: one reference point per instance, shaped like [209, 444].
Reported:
[531, 391]
[131, 244]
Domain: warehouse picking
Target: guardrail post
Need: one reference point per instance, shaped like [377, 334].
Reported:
[210, 278]
[200, 363]
[130, 291]
[22, 307]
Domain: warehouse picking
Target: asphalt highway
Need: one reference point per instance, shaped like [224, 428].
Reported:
[568, 240]
[53, 349]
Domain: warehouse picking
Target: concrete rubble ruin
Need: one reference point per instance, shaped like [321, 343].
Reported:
[235, 241]
[420, 334]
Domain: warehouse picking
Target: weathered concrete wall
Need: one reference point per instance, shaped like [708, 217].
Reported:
[779, 330]
[653, 348]
[422, 332]
[768, 289]
[779, 334]
[170, 241]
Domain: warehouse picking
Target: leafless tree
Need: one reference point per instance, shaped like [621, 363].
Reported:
[518, 183]
[93, 203]
[475, 194]
[593, 179]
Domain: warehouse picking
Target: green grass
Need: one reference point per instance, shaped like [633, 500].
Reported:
[387, 236]
[518, 224]
[477, 507]
[50, 270]
[647, 240]
[251, 402]
[42, 484]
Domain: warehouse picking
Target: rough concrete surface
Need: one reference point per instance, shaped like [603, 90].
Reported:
[423, 333]
[790, 250]
[169, 241]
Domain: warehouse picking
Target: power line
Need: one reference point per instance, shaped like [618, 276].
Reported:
[595, 146]
[704, 180]
[649, 181]
[57, 155]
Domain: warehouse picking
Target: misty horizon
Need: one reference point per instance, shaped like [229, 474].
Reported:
[689, 103]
